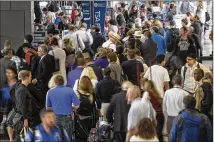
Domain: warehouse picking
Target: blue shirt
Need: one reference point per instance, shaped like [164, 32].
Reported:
[159, 40]
[42, 136]
[73, 75]
[5, 93]
[60, 99]
[58, 19]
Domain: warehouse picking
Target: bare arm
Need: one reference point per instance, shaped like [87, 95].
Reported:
[130, 134]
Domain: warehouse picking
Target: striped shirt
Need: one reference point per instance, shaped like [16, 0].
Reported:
[140, 108]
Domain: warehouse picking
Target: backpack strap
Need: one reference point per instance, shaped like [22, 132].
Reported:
[184, 73]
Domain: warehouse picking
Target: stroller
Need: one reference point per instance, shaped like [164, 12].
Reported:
[102, 133]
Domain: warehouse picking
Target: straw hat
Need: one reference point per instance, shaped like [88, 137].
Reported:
[137, 34]
[115, 36]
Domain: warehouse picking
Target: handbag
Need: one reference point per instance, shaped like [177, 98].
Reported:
[13, 117]
[80, 131]
[56, 63]
[23, 133]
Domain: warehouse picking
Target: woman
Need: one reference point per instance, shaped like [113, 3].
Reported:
[145, 132]
[184, 45]
[58, 53]
[156, 101]
[85, 93]
[102, 60]
[116, 70]
[70, 53]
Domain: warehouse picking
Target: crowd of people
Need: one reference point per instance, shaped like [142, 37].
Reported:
[133, 79]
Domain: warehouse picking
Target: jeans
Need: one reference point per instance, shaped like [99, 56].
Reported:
[159, 128]
[66, 123]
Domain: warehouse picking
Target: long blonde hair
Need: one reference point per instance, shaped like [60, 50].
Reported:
[85, 86]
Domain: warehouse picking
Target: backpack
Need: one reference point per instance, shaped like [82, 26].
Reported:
[85, 108]
[186, 128]
[185, 70]
[173, 35]
[207, 17]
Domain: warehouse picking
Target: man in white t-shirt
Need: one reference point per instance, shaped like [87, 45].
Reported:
[112, 41]
[159, 75]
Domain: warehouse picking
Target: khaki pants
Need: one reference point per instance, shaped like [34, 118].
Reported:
[103, 110]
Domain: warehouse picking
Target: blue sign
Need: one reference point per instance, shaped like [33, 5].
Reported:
[99, 13]
[86, 9]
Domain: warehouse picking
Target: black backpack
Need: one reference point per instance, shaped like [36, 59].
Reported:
[23, 65]
[85, 108]
[207, 17]
[174, 34]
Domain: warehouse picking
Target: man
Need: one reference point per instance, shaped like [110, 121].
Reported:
[98, 39]
[203, 94]
[159, 40]
[187, 72]
[63, 25]
[5, 63]
[196, 40]
[111, 43]
[104, 91]
[201, 14]
[173, 101]
[191, 125]
[159, 75]
[197, 26]
[119, 109]
[47, 130]
[50, 28]
[140, 108]
[49, 13]
[44, 70]
[97, 70]
[86, 38]
[148, 49]
[19, 62]
[171, 34]
[62, 100]
[132, 68]
[77, 42]
[7, 44]
[26, 105]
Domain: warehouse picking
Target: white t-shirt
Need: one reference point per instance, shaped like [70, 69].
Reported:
[109, 44]
[138, 139]
[159, 76]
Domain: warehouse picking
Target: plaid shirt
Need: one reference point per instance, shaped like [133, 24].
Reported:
[17, 60]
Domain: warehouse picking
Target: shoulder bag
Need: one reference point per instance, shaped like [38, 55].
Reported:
[56, 63]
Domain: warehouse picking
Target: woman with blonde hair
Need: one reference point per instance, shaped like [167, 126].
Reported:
[156, 100]
[144, 132]
[70, 53]
[102, 60]
[87, 111]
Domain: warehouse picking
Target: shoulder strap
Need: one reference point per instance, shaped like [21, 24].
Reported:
[198, 65]
[138, 75]
[184, 73]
